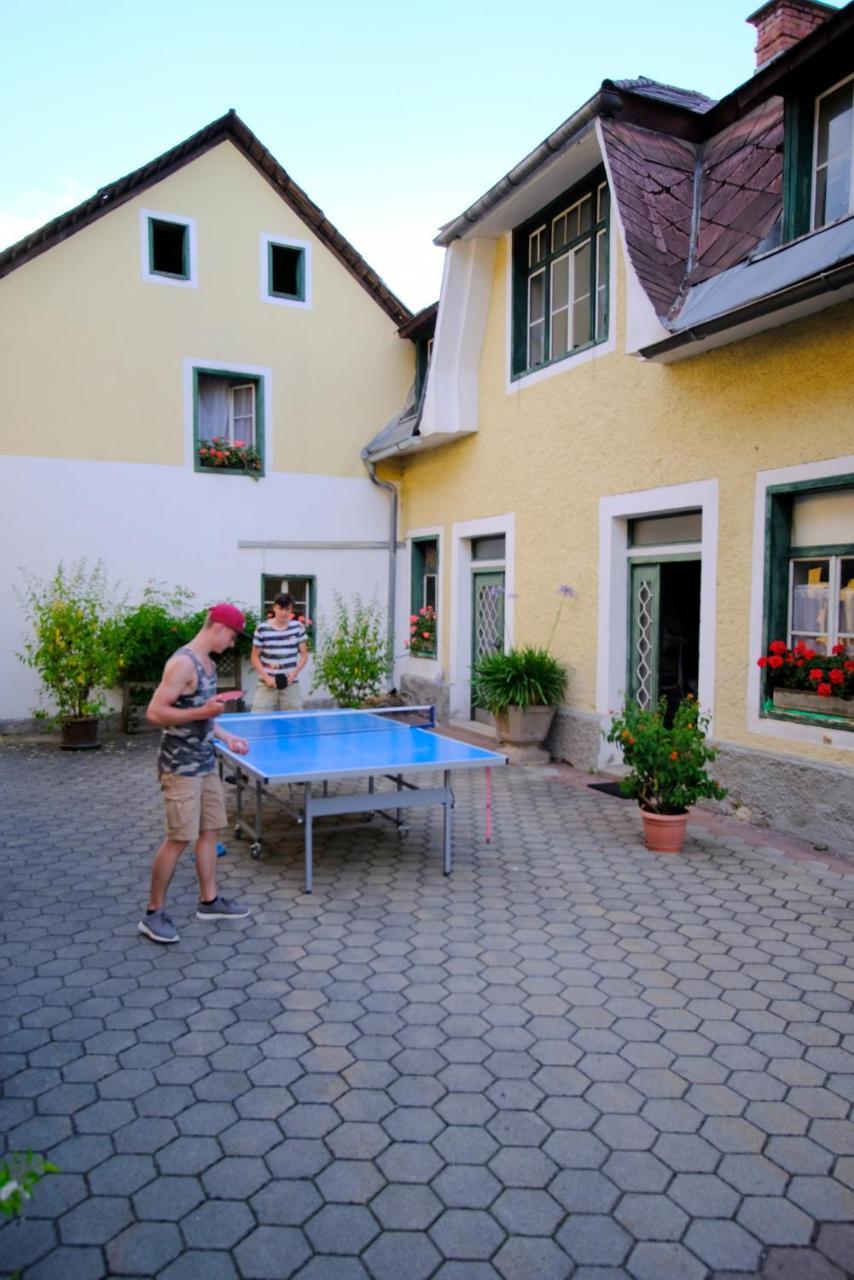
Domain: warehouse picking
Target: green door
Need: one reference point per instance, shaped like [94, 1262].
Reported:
[644, 633]
[487, 633]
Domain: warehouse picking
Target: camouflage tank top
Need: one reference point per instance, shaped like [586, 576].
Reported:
[187, 749]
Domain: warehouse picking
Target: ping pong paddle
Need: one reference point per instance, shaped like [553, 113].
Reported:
[229, 695]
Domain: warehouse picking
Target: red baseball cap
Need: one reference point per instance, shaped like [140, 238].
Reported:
[231, 616]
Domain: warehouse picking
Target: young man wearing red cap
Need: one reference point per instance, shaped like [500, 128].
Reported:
[186, 705]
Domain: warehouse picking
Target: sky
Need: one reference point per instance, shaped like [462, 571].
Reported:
[392, 117]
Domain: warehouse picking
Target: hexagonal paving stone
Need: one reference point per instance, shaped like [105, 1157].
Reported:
[466, 1234]
[402, 1253]
[272, 1253]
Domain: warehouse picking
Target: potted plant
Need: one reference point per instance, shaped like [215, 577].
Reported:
[801, 679]
[226, 455]
[523, 689]
[353, 654]
[668, 767]
[422, 633]
[71, 647]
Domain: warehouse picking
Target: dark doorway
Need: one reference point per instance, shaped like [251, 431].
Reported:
[679, 639]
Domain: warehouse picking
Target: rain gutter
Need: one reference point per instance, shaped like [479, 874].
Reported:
[603, 103]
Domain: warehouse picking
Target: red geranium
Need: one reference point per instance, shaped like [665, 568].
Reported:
[775, 661]
[777, 646]
[837, 676]
[824, 690]
[816, 674]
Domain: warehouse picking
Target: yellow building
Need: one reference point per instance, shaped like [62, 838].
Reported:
[191, 361]
[636, 439]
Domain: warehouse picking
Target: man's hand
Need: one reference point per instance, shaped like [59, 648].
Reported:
[211, 709]
[270, 682]
[239, 746]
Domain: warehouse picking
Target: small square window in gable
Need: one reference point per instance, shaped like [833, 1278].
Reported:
[287, 272]
[169, 248]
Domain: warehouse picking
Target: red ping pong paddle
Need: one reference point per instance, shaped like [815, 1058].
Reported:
[229, 695]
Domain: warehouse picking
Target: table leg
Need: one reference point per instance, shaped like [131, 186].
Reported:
[399, 781]
[309, 852]
[447, 823]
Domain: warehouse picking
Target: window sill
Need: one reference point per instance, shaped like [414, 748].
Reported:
[230, 471]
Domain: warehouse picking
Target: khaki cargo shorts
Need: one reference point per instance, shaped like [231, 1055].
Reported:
[265, 699]
[193, 805]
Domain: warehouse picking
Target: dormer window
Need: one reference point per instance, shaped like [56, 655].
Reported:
[833, 195]
[561, 278]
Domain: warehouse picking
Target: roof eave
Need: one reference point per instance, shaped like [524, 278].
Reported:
[814, 286]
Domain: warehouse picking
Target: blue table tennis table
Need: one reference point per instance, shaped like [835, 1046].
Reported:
[312, 749]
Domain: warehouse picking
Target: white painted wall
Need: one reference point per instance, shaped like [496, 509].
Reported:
[170, 525]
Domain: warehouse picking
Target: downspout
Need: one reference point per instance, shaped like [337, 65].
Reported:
[392, 554]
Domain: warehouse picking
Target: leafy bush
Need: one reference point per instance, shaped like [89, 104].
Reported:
[668, 764]
[71, 637]
[353, 654]
[146, 636]
[528, 677]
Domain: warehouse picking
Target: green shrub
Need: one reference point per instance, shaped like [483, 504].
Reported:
[352, 658]
[668, 764]
[147, 635]
[528, 677]
[71, 620]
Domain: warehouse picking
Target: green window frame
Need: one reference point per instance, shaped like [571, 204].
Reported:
[561, 275]
[162, 246]
[424, 580]
[302, 588]
[781, 559]
[801, 119]
[286, 271]
[236, 399]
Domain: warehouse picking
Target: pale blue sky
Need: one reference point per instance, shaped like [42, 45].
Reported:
[393, 117]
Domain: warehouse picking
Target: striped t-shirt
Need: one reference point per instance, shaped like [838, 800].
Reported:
[278, 647]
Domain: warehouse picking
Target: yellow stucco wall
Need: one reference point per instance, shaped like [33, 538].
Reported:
[615, 424]
[92, 353]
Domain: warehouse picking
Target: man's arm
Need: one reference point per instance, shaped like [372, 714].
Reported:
[301, 661]
[256, 663]
[179, 677]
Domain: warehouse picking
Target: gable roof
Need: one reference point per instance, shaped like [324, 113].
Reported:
[228, 127]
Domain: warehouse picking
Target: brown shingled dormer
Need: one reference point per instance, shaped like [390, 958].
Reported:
[783, 23]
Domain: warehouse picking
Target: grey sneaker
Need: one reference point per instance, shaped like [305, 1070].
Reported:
[158, 927]
[222, 909]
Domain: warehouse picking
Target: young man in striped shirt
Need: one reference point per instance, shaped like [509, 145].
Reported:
[279, 653]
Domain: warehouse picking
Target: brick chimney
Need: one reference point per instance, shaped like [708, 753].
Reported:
[782, 23]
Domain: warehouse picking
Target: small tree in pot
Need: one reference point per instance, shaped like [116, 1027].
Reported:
[70, 645]
[669, 767]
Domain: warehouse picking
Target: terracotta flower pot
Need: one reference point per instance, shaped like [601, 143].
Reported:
[664, 832]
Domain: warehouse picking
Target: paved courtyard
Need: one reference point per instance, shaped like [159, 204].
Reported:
[572, 1058]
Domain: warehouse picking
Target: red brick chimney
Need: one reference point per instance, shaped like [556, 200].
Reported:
[781, 23]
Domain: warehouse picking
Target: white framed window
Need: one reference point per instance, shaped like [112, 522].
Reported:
[285, 271]
[833, 168]
[561, 279]
[168, 248]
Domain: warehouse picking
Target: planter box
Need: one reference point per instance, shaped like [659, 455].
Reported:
[525, 732]
[804, 700]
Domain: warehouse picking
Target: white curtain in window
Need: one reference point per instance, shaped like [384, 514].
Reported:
[213, 407]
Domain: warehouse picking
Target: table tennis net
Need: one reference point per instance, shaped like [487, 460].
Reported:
[311, 724]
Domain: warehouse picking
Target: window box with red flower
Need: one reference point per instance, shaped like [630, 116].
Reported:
[800, 681]
[220, 454]
[422, 633]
